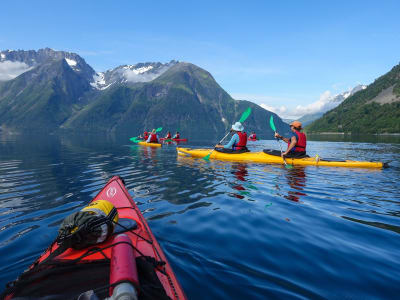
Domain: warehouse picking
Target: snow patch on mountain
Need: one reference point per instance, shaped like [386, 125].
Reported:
[71, 62]
[2, 56]
[11, 69]
[141, 72]
[99, 81]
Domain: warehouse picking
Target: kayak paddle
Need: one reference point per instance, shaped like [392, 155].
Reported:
[245, 115]
[135, 139]
[271, 123]
[243, 118]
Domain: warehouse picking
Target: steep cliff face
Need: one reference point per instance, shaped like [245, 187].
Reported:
[42, 98]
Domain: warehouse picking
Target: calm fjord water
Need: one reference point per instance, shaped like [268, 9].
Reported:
[230, 230]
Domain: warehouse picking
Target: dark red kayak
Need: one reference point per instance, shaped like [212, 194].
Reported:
[131, 256]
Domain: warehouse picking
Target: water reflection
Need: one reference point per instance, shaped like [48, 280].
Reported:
[296, 179]
[240, 173]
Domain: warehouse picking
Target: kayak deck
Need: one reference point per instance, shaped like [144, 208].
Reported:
[261, 157]
[143, 241]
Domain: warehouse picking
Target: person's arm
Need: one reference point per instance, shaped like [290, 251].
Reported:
[278, 136]
[148, 139]
[234, 139]
[293, 142]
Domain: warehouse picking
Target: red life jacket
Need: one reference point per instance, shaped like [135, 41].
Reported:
[301, 142]
[145, 135]
[168, 136]
[177, 136]
[242, 141]
[153, 138]
[253, 136]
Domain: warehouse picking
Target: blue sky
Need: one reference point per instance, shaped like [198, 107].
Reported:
[278, 53]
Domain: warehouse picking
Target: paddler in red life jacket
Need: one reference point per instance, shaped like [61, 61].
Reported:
[253, 136]
[153, 138]
[145, 135]
[168, 136]
[177, 136]
[296, 143]
[238, 141]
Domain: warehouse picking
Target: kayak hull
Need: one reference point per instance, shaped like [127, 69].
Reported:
[261, 157]
[142, 239]
[252, 140]
[149, 144]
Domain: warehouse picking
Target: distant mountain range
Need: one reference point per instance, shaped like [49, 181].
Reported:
[330, 104]
[375, 109]
[52, 90]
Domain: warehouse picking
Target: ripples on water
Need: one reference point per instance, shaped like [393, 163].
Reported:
[230, 230]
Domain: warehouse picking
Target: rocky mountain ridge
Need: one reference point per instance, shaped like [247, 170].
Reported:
[57, 91]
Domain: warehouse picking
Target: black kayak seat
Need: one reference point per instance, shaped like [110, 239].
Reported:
[231, 151]
[278, 153]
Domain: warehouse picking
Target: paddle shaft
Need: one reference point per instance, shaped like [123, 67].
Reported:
[224, 137]
[280, 146]
[208, 155]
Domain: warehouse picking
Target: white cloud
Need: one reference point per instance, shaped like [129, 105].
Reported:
[11, 69]
[278, 110]
[286, 109]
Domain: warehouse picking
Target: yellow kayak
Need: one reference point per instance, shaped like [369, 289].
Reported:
[149, 144]
[261, 157]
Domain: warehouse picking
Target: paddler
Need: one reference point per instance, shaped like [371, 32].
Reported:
[145, 135]
[177, 135]
[253, 136]
[238, 141]
[153, 138]
[296, 143]
[168, 136]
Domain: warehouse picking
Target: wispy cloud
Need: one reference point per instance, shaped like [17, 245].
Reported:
[283, 107]
[11, 69]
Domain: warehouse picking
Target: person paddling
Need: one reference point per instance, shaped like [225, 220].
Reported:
[253, 136]
[168, 136]
[177, 136]
[238, 142]
[296, 143]
[145, 135]
[153, 138]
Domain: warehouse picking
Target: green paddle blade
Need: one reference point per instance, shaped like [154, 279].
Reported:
[158, 129]
[207, 157]
[134, 139]
[245, 115]
[271, 123]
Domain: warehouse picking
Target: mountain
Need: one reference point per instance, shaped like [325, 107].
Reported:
[141, 72]
[14, 63]
[330, 104]
[51, 90]
[375, 109]
[184, 98]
